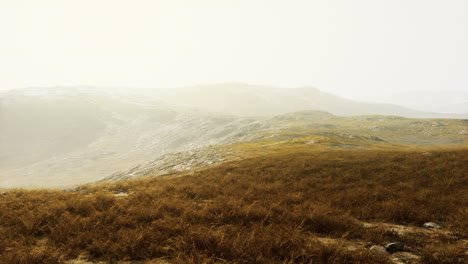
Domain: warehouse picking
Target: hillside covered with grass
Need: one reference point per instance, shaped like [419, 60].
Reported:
[295, 206]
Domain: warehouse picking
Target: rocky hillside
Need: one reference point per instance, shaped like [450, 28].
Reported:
[295, 204]
[62, 136]
[319, 131]
[182, 184]
[71, 137]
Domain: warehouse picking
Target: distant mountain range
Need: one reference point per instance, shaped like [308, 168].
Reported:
[436, 101]
[57, 136]
[251, 100]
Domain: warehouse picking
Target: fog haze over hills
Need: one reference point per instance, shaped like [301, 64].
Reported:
[71, 135]
[432, 101]
[354, 49]
[233, 131]
[244, 99]
[78, 134]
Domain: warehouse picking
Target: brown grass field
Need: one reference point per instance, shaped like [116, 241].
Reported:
[296, 207]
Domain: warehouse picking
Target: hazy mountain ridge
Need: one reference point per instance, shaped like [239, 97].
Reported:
[60, 136]
[247, 100]
[230, 98]
[447, 101]
[72, 138]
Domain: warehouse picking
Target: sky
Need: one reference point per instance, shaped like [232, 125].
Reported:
[356, 48]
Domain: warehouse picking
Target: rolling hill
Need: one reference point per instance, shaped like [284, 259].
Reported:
[62, 136]
[188, 180]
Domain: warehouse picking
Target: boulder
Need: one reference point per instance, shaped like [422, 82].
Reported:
[378, 250]
[395, 247]
[431, 225]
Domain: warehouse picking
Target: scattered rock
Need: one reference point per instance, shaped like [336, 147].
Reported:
[369, 245]
[376, 138]
[431, 225]
[395, 247]
[176, 162]
[438, 124]
[405, 258]
[378, 250]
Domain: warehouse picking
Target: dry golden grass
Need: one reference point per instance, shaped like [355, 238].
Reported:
[268, 209]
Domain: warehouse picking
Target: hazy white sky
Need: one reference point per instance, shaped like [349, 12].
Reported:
[347, 47]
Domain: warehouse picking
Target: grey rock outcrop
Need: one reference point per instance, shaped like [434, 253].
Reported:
[431, 225]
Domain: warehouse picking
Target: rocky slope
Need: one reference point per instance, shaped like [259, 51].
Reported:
[80, 136]
[62, 136]
[314, 130]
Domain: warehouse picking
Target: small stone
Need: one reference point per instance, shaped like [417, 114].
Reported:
[378, 250]
[431, 225]
[395, 247]
[369, 245]
[376, 138]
